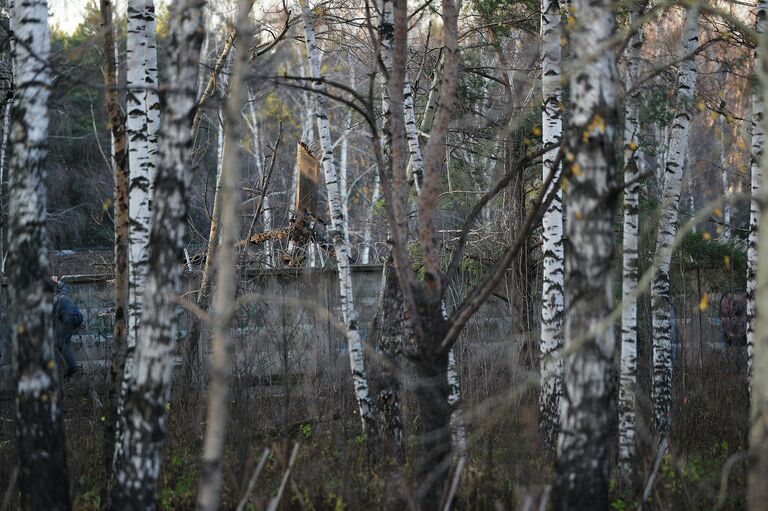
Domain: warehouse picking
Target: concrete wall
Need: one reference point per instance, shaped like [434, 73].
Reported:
[286, 323]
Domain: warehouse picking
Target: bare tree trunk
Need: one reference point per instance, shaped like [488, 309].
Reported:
[660, 290]
[138, 454]
[152, 97]
[758, 145]
[368, 234]
[583, 454]
[552, 299]
[725, 177]
[43, 479]
[632, 160]
[390, 332]
[338, 228]
[6, 100]
[119, 143]
[211, 85]
[392, 326]
[264, 179]
[757, 333]
[194, 350]
[224, 308]
[424, 299]
[137, 130]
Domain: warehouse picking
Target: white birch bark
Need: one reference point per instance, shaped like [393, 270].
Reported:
[152, 96]
[583, 451]
[458, 432]
[338, 228]
[660, 290]
[758, 144]
[343, 171]
[42, 476]
[552, 294]
[725, 178]
[137, 454]
[757, 494]
[137, 130]
[690, 185]
[412, 136]
[3, 158]
[368, 233]
[266, 209]
[632, 159]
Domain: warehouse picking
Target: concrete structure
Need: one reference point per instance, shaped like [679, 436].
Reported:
[286, 323]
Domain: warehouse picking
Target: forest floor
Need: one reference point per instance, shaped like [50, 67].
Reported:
[505, 467]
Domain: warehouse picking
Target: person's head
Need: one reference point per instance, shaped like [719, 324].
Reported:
[59, 286]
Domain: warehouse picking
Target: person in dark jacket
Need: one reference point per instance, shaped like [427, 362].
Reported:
[67, 320]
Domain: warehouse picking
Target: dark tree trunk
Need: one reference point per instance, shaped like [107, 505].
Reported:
[390, 332]
[432, 391]
[117, 127]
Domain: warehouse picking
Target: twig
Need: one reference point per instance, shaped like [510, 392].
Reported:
[652, 478]
[264, 48]
[254, 478]
[107, 161]
[454, 483]
[276, 499]
[730, 462]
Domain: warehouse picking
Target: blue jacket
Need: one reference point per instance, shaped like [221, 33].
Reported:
[65, 310]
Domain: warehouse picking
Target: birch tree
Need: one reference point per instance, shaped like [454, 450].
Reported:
[6, 102]
[138, 133]
[660, 290]
[152, 97]
[224, 308]
[119, 163]
[264, 178]
[583, 453]
[137, 453]
[632, 159]
[338, 229]
[724, 176]
[368, 232]
[552, 299]
[757, 333]
[758, 143]
[43, 480]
